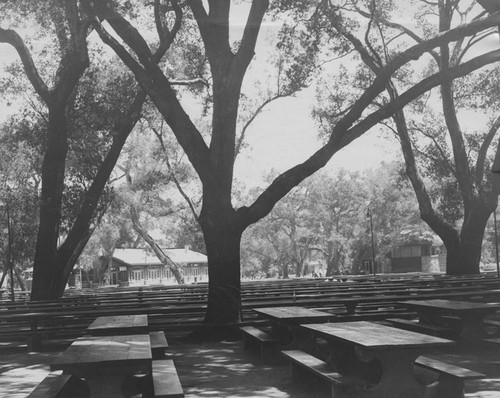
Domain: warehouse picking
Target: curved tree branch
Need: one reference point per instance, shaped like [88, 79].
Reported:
[12, 37]
[292, 177]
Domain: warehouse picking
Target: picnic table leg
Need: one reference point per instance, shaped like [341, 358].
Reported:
[389, 373]
[397, 378]
[472, 327]
[283, 333]
[34, 342]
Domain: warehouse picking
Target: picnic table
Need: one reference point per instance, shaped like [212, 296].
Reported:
[383, 356]
[116, 324]
[285, 321]
[471, 314]
[106, 361]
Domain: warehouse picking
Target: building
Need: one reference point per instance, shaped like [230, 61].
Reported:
[417, 251]
[140, 267]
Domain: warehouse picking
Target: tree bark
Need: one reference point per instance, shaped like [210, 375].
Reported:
[222, 232]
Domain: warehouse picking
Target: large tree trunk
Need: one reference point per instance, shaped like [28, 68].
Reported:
[464, 253]
[222, 234]
[45, 270]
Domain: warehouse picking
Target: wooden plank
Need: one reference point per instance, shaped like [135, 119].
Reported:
[258, 334]
[158, 344]
[375, 336]
[107, 349]
[320, 368]
[166, 382]
[428, 328]
[50, 386]
[447, 368]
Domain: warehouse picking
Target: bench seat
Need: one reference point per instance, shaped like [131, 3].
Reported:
[57, 385]
[264, 340]
[158, 344]
[302, 363]
[451, 377]
[426, 328]
[166, 383]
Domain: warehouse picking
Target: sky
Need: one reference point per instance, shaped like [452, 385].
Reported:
[286, 135]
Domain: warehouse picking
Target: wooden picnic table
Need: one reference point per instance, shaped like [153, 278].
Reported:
[383, 356]
[106, 361]
[471, 314]
[286, 320]
[115, 324]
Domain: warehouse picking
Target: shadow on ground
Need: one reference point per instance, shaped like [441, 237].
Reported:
[220, 370]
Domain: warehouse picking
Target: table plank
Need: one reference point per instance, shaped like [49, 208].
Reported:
[451, 305]
[119, 322]
[298, 314]
[375, 336]
[105, 350]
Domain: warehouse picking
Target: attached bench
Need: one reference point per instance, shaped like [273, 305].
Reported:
[451, 377]
[57, 385]
[426, 328]
[158, 344]
[302, 364]
[265, 341]
[166, 383]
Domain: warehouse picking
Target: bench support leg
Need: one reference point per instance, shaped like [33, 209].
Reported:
[450, 387]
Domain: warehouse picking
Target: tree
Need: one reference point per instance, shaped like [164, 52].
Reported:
[144, 192]
[465, 187]
[53, 263]
[221, 223]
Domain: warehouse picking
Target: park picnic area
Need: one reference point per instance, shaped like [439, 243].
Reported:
[412, 335]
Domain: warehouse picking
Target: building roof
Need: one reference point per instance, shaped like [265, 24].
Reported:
[147, 257]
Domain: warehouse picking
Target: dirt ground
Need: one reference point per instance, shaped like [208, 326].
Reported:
[219, 370]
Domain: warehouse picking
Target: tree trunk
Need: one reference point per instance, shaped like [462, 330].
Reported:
[222, 235]
[285, 271]
[4, 274]
[165, 260]
[20, 279]
[464, 251]
[45, 269]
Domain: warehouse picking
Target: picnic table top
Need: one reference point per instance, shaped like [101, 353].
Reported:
[105, 350]
[451, 305]
[119, 322]
[298, 314]
[293, 315]
[374, 336]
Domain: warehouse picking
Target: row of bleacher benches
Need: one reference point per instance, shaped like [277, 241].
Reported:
[178, 310]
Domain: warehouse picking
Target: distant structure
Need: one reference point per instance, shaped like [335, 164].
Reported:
[140, 267]
[417, 251]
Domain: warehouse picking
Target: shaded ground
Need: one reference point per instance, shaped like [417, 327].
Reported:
[225, 370]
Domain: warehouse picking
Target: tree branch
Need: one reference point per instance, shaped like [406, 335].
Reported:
[12, 37]
[292, 177]
[481, 158]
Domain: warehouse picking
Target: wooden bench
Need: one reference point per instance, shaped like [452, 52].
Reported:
[451, 377]
[57, 385]
[265, 341]
[166, 382]
[158, 344]
[303, 364]
[420, 327]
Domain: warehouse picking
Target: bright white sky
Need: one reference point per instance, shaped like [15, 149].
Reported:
[286, 135]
